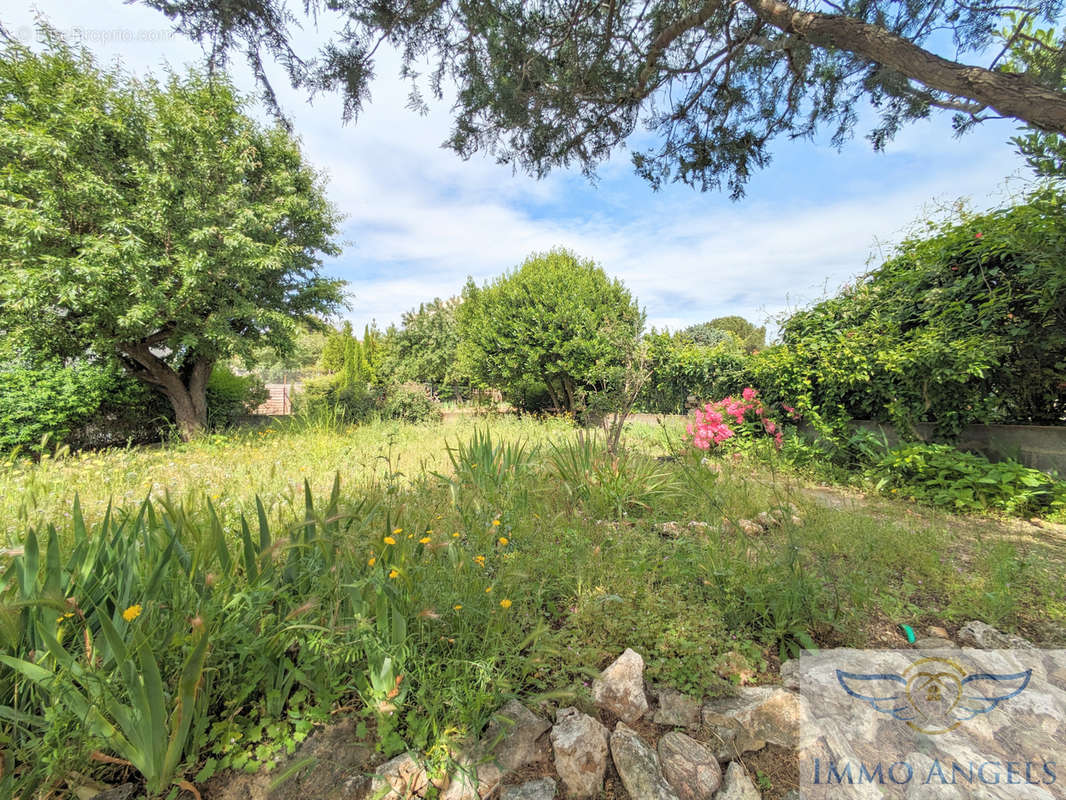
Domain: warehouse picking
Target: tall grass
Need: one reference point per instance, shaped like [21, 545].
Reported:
[239, 590]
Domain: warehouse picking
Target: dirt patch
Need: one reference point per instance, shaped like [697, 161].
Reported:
[331, 765]
[774, 770]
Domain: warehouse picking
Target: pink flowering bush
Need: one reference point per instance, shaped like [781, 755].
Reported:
[725, 419]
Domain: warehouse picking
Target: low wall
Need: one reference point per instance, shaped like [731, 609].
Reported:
[1042, 447]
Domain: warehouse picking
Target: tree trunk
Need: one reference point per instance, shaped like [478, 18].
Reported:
[551, 392]
[1008, 94]
[187, 396]
[190, 421]
[568, 387]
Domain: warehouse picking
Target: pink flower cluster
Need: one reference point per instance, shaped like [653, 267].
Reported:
[713, 422]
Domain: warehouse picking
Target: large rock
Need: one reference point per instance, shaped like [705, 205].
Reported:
[676, 709]
[985, 637]
[722, 739]
[540, 789]
[511, 737]
[471, 781]
[759, 715]
[620, 687]
[790, 677]
[689, 767]
[580, 746]
[401, 777]
[638, 766]
[933, 643]
[737, 785]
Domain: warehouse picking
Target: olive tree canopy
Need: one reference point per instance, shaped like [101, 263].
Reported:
[155, 225]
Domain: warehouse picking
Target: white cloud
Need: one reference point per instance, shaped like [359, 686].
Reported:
[422, 219]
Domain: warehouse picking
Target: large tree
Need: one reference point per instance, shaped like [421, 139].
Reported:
[555, 82]
[154, 224]
[557, 319]
[424, 348]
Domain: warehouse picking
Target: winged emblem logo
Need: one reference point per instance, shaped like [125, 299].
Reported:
[934, 695]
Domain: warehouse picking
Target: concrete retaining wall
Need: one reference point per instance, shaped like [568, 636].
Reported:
[1039, 446]
[1042, 447]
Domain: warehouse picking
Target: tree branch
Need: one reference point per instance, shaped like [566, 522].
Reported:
[1009, 94]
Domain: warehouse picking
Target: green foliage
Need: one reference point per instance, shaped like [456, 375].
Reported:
[424, 349]
[136, 224]
[965, 324]
[386, 596]
[942, 476]
[327, 396]
[705, 335]
[557, 319]
[1038, 51]
[611, 485]
[749, 337]
[410, 402]
[302, 362]
[231, 396]
[347, 392]
[682, 369]
[546, 86]
[83, 404]
[351, 360]
[151, 625]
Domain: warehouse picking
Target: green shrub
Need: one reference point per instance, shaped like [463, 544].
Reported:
[328, 396]
[557, 319]
[965, 324]
[410, 402]
[529, 395]
[230, 396]
[681, 369]
[81, 403]
[942, 476]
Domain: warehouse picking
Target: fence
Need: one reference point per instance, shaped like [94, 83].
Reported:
[279, 399]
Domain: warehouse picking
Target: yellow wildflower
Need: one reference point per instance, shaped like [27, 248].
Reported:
[397, 532]
[488, 589]
[458, 607]
[503, 540]
[394, 574]
[429, 532]
[371, 561]
[496, 522]
[131, 613]
[505, 603]
[479, 560]
[455, 535]
[425, 540]
[389, 540]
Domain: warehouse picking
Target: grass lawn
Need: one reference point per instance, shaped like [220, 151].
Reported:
[454, 565]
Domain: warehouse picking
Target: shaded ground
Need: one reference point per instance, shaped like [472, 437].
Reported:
[331, 765]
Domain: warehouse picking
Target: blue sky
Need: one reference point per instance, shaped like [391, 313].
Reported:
[419, 219]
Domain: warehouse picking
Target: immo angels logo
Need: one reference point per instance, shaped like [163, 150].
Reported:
[934, 695]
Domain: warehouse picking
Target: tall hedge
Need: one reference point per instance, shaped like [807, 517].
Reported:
[966, 323]
[681, 368]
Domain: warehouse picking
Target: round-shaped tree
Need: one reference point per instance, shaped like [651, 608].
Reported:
[155, 224]
[557, 319]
